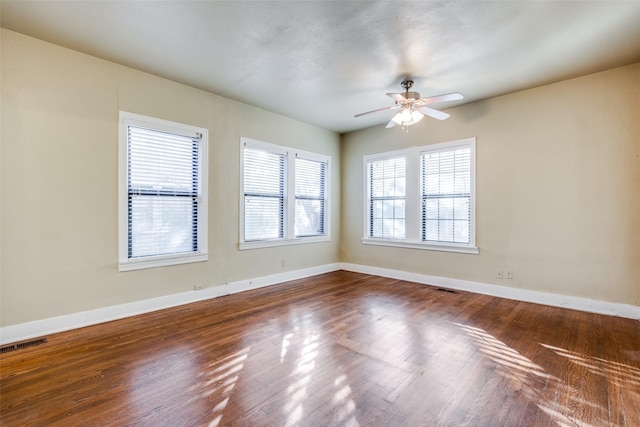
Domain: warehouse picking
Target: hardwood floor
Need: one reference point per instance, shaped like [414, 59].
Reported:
[340, 349]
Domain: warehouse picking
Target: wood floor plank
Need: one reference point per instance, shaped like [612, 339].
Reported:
[339, 349]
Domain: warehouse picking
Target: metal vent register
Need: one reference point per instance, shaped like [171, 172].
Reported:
[22, 344]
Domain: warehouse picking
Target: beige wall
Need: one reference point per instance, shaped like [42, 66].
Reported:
[59, 182]
[558, 189]
[558, 185]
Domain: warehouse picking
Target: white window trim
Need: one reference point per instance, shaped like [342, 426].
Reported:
[412, 202]
[289, 221]
[124, 262]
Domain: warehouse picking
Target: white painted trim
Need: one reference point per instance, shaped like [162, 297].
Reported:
[283, 242]
[38, 328]
[462, 249]
[555, 300]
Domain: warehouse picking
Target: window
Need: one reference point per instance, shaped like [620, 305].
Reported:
[285, 195]
[310, 197]
[422, 197]
[162, 193]
[264, 196]
[386, 178]
[445, 178]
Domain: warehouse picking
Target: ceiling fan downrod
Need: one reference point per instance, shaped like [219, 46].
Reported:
[406, 85]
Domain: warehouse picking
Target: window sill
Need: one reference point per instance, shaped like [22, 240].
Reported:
[464, 249]
[282, 242]
[160, 261]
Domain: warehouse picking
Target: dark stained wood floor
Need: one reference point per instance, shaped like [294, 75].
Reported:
[340, 349]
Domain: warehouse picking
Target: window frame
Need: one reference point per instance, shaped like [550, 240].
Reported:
[289, 237]
[125, 262]
[413, 199]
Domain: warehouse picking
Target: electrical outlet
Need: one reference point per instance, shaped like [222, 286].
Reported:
[283, 263]
[198, 287]
[500, 274]
[509, 274]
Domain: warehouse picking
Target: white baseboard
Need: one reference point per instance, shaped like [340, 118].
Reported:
[555, 300]
[38, 328]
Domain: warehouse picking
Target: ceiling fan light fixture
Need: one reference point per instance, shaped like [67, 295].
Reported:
[407, 117]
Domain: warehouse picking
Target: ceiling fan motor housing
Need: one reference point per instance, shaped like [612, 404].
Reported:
[412, 96]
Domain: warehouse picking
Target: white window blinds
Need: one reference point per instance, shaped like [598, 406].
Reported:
[446, 195]
[422, 197]
[286, 195]
[163, 193]
[264, 194]
[386, 181]
[310, 194]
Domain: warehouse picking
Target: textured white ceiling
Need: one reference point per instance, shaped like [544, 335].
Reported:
[321, 62]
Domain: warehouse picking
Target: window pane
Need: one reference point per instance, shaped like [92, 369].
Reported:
[445, 208]
[387, 181]
[387, 178]
[431, 209]
[461, 208]
[262, 218]
[387, 208]
[264, 199]
[445, 231]
[263, 172]
[310, 176]
[431, 231]
[310, 190]
[461, 233]
[393, 228]
[388, 219]
[162, 186]
[309, 217]
[160, 161]
[446, 192]
[161, 225]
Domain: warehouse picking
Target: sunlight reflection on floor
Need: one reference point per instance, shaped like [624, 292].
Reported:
[177, 367]
[297, 391]
[345, 404]
[536, 384]
[221, 377]
[620, 374]
[301, 348]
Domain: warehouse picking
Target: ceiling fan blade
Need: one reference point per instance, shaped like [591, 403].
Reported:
[442, 98]
[390, 124]
[397, 97]
[436, 114]
[393, 107]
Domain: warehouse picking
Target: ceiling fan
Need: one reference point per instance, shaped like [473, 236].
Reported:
[412, 107]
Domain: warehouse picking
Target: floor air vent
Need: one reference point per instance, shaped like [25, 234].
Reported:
[451, 291]
[23, 344]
